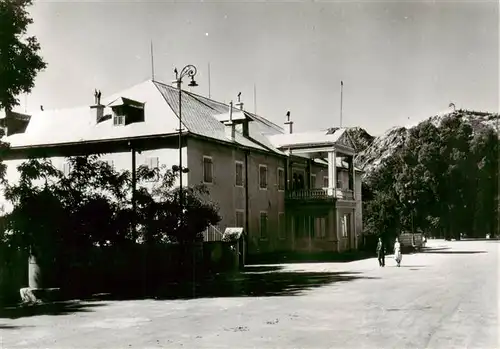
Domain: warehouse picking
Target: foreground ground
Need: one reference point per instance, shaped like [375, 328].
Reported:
[444, 298]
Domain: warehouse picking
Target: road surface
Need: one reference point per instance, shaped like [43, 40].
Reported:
[447, 298]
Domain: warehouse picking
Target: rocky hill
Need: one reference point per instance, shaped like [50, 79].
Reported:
[372, 150]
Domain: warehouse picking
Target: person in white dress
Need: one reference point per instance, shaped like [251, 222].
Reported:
[397, 252]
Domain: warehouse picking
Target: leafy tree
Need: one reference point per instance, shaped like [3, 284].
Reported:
[485, 148]
[381, 210]
[19, 54]
[92, 206]
[444, 177]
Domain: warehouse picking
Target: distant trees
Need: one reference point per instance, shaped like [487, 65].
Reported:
[445, 178]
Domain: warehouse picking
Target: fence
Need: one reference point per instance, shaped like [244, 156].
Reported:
[212, 234]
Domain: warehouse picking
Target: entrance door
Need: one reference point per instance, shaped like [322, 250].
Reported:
[298, 181]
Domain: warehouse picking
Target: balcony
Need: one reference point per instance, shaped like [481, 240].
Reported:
[319, 194]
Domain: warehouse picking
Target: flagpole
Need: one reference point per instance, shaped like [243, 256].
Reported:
[209, 94]
[254, 99]
[152, 63]
[341, 97]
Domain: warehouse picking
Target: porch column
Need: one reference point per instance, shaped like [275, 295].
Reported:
[332, 173]
[350, 161]
[287, 172]
[308, 175]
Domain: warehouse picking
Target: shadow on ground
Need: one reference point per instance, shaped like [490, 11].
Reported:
[56, 308]
[12, 327]
[326, 257]
[453, 252]
[254, 281]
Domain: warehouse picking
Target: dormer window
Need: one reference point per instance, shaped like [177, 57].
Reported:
[14, 123]
[118, 116]
[127, 111]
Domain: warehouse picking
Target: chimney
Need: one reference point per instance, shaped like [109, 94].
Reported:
[244, 124]
[229, 125]
[99, 108]
[289, 123]
[239, 105]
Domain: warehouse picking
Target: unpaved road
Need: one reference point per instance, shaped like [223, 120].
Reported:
[447, 298]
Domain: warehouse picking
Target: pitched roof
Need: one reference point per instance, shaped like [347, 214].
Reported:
[200, 117]
[52, 127]
[306, 138]
[161, 104]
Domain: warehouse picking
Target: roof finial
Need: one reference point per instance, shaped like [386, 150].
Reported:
[239, 97]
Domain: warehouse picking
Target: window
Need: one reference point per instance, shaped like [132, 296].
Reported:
[281, 179]
[263, 176]
[208, 167]
[320, 227]
[281, 225]
[153, 163]
[66, 168]
[263, 225]
[325, 182]
[298, 182]
[118, 116]
[127, 111]
[111, 164]
[240, 219]
[239, 174]
[313, 181]
[345, 225]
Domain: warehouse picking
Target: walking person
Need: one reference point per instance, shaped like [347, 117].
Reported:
[397, 252]
[380, 253]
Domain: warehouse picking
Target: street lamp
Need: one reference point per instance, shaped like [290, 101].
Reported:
[189, 71]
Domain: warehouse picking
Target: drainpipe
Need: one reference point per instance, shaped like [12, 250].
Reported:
[247, 225]
[134, 183]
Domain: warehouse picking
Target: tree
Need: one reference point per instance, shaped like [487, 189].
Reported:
[92, 206]
[445, 178]
[381, 212]
[484, 149]
[20, 61]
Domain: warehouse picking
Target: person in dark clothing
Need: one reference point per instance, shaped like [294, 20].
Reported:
[381, 253]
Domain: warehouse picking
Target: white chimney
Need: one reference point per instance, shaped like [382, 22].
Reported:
[289, 123]
[230, 126]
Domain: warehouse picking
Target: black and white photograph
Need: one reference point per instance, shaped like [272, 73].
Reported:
[289, 174]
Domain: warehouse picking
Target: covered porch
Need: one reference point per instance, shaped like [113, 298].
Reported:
[331, 149]
[320, 195]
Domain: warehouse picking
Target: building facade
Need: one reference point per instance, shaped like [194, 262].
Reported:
[289, 191]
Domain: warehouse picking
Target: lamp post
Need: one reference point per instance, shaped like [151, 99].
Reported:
[189, 71]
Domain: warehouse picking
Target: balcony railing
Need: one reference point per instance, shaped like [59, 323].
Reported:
[345, 194]
[319, 194]
[307, 194]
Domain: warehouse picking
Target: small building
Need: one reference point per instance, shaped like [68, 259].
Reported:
[289, 191]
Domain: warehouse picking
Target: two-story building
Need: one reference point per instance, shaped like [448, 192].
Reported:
[290, 191]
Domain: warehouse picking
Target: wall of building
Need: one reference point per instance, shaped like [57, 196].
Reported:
[231, 198]
[334, 240]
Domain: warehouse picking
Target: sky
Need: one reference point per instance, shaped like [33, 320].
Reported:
[400, 61]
